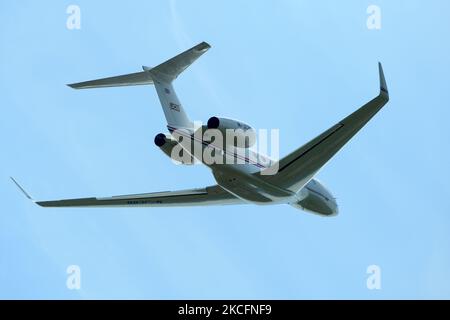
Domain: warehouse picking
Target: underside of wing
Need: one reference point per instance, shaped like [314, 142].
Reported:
[296, 169]
[212, 195]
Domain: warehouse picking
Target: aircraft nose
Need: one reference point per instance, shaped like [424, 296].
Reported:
[332, 204]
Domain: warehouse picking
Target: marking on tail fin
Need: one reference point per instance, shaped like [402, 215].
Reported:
[175, 107]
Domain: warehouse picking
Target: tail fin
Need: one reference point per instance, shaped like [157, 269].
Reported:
[164, 74]
[161, 76]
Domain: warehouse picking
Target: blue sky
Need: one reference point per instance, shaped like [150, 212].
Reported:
[299, 66]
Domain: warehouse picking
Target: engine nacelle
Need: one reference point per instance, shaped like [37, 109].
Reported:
[166, 144]
[240, 134]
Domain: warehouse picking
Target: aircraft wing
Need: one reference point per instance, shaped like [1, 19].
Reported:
[297, 168]
[212, 195]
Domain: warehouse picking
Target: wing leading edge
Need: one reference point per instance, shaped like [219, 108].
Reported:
[212, 195]
[297, 168]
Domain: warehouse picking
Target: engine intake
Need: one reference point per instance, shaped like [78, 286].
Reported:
[166, 144]
[213, 123]
[160, 139]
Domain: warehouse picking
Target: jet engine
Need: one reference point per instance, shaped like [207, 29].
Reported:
[166, 144]
[240, 134]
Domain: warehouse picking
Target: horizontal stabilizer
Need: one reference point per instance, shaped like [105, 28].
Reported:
[167, 71]
[170, 69]
[131, 79]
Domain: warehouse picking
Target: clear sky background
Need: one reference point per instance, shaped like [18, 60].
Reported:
[299, 66]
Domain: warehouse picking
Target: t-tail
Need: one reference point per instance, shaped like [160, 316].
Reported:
[162, 77]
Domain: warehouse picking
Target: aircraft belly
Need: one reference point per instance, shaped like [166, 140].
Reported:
[247, 193]
[249, 187]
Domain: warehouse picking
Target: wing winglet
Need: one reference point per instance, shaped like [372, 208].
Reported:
[383, 87]
[22, 189]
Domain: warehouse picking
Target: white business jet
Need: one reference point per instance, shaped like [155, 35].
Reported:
[292, 183]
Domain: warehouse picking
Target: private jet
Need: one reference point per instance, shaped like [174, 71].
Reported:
[293, 183]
